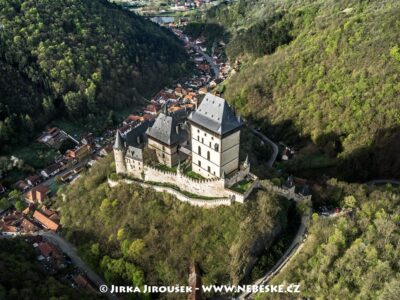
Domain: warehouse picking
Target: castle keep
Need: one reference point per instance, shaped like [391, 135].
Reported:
[207, 143]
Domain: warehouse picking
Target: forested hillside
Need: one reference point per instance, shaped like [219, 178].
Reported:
[354, 256]
[134, 236]
[323, 71]
[77, 57]
[23, 278]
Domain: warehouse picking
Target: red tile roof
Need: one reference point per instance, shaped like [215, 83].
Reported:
[48, 212]
[38, 193]
[28, 226]
[45, 249]
[45, 221]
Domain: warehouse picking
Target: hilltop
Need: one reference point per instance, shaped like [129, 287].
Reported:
[77, 59]
[132, 235]
[324, 73]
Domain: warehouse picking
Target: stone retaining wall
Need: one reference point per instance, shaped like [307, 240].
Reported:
[192, 201]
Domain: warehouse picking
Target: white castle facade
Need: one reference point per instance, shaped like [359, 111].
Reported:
[208, 141]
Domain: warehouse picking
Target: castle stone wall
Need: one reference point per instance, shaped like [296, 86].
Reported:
[178, 195]
[238, 176]
[206, 187]
[287, 193]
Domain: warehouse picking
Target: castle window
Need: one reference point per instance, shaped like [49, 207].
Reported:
[209, 169]
[208, 155]
[210, 144]
[205, 134]
[199, 163]
[198, 130]
[198, 138]
[163, 155]
[216, 147]
[199, 151]
[202, 140]
[212, 138]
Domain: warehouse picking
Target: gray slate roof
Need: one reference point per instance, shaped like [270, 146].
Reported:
[119, 143]
[135, 153]
[164, 130]
[135, 137]
[215, 114]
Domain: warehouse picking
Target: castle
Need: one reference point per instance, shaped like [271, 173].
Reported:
[207, 142]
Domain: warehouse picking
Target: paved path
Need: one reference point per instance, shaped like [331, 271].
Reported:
[383, 181]
[293, 249]
[274, 146]
[214, 67]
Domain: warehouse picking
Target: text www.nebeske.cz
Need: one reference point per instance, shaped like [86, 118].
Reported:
[150, 289]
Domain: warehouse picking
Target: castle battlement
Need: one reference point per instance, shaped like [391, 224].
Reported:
[213, 135]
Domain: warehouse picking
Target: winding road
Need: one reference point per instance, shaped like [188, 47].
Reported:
[383, 181]
[214, 67]
[293, 249]
[274, 146]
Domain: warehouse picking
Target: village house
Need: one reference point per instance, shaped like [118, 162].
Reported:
[79, 152]
[82, 282]
[8, 228]
[38, 194]
[45, 221]
[152, 108]
[33, 180]
[135, 119]
[51, 253]
[67, 176]
[28, 210]
[287, 154]
[180, 92]
[106, 150]
[22, 185]
[53, 137]
[203, 90]
[51, 170]
[9, 221]
[28, 226]
[88, 139]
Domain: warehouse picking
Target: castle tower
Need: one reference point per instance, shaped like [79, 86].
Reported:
[215, 138]
[119, 154]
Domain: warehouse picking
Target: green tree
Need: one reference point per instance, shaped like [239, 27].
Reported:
[19, 205]
[350, 201]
